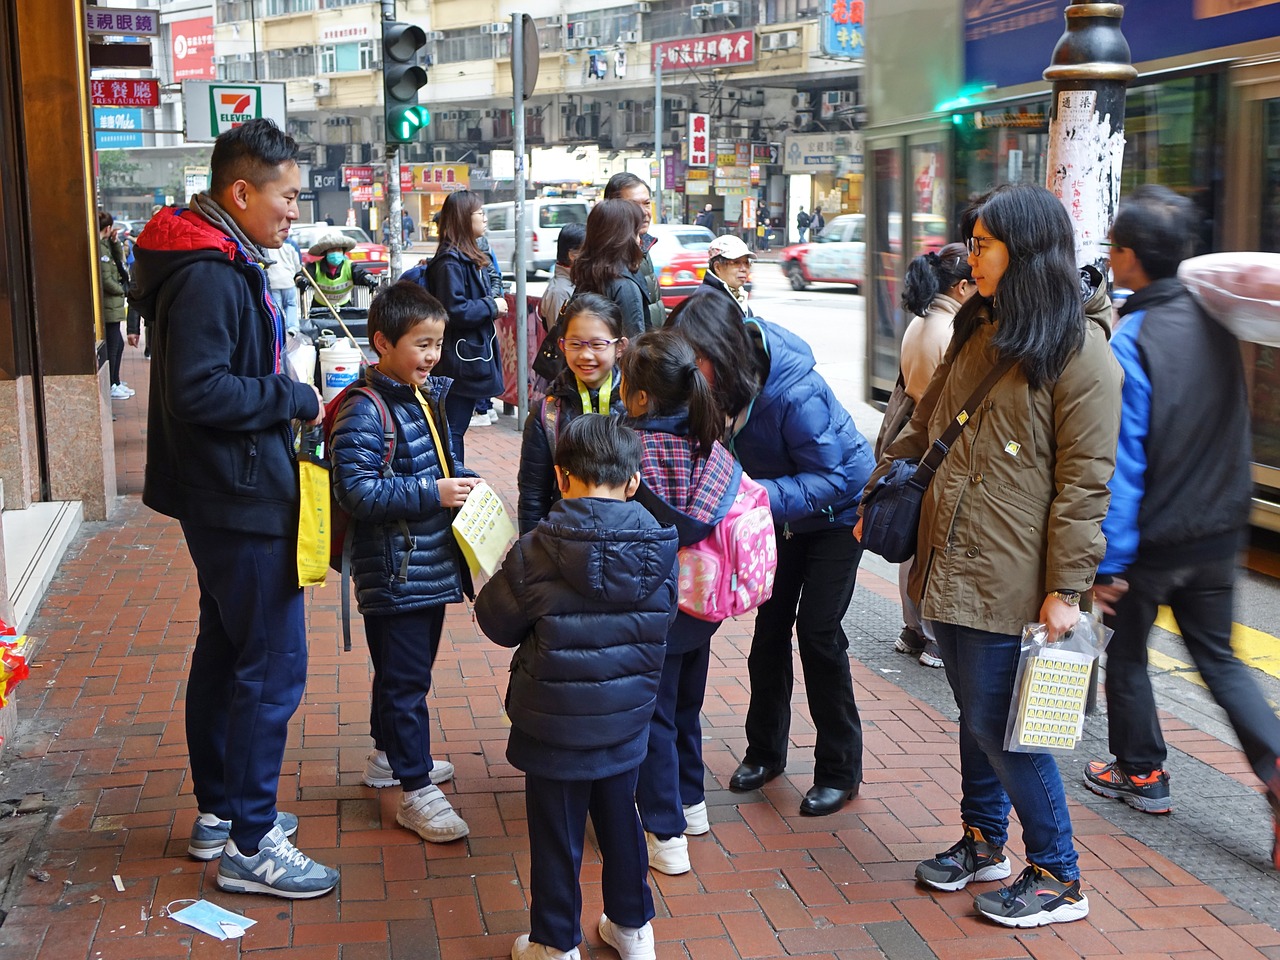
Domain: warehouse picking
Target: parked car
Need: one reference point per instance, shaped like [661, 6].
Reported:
[679, 259]
[373, 257]
[543, 219]
[839, 255]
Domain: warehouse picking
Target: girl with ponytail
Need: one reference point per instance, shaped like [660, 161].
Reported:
[687, 479]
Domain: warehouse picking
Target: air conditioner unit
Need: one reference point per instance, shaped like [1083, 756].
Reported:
[798, 99]
[218, 59]
[631, 36]
[439, 155]
[700, 11]
[556, 20]
[500, 27]
[592, 108]
[835, 98]
[757, 98]
[732, 95]
[436, 35]
[490, 114]
[725, 8]
[644, 7]
[275, 54]
[566, 110]
[592, 42]
[673, 103]
[676, 118]
[321, 88]
[299, 51]
[787, 39]
[802, 119]
[244, 57]
[624, 105]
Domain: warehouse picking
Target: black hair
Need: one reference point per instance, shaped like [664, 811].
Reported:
[104, 220]
[933, 273]
[601, 451]
[620, 183]
[597, 305]
[571, 237]
[662, 364]
[1039, 316]
[1158, 225]
[252, 151]
[712, 324]
[397, 309]
[611, 247]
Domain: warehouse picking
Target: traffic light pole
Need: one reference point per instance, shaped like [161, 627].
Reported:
[518, 261]
[395, 206]
[1090, 69]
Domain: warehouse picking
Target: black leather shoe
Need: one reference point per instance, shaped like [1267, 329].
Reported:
[820, 801]
[752, 776]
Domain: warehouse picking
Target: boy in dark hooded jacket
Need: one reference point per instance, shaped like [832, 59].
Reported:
[587, 597]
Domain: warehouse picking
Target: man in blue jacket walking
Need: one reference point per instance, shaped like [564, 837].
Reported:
[1179, 507]
[220, 460]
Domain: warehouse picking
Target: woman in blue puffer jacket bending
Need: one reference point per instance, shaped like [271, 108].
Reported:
[792, 435]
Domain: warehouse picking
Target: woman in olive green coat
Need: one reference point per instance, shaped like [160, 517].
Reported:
[114, 280]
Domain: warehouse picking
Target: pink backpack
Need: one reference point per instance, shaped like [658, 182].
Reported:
[731, 571]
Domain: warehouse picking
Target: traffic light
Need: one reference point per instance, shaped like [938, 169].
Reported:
[401, 80]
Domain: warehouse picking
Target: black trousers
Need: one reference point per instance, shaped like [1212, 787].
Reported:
[115, 349]
[403, 648]
[1202, 599]
[811, 591]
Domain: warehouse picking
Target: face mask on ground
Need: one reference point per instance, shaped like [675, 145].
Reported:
[212, 919]
[334, 258]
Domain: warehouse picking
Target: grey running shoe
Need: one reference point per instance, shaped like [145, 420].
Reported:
[278, 868]
[909, 642]
[972, 858]
[931, 656]
[209, 834]
[1036, 898]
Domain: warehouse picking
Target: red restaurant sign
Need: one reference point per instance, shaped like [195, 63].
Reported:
[121, 92]
[699, 53]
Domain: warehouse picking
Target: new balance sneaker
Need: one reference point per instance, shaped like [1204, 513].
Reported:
[972, 858]
[1036, 898]
[909, 642]
[1149, 793]
[210, 834]
[632, 943]
[378, 772]
[931, 656]
[278, 868]
[695, 820]
[526, 949]
[428, 814]
[668, 856]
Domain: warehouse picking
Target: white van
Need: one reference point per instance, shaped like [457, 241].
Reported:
[542, 222]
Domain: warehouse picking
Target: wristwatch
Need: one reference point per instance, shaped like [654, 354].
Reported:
[1069, 597]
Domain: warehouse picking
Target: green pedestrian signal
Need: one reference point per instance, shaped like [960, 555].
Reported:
[402, 78]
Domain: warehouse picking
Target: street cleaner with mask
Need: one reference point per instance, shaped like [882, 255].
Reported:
[334, 274]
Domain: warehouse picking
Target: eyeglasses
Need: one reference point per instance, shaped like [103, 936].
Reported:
[595, 346]
[975, 242]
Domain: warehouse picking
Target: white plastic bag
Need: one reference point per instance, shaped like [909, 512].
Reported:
[1239, 290]
[1052, 687]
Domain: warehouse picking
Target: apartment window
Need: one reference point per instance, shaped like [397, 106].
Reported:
[275, 8]
[238, 69]
[460, 45]
[328, 59]
[229, 11]
[366, 54]
[332, 4]
[786, 11]
[670, 19]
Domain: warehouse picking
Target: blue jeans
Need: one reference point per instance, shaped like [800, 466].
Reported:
[286, 299]
[981, 668]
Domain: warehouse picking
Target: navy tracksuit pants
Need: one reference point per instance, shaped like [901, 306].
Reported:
[248, 671]
[403, 647]
[557, 811]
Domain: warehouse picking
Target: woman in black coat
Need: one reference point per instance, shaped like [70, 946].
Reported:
[609, 263]
[456, 277]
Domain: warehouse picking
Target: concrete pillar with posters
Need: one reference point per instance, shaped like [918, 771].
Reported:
[1090, 69]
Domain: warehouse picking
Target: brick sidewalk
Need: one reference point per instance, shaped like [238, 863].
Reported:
[102, 737]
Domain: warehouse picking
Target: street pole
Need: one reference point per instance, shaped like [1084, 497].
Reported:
[395, 207]
[518, 264]
[658, 131]
[1090, 70]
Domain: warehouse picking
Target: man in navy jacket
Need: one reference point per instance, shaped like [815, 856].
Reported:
[220, 460]
[1180, 501]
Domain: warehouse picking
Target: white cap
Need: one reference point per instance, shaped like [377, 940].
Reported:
[729, 247]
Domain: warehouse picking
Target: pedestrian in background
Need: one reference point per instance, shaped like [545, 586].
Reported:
[1010, 531]
[802, 224]
[1180, 502]
[560, 287]
[936, 285]
[609, 263]
[284, 290]
[627, 186]
[816, 224]
[220, 460]
[794, 437]
[458, 277]
[113, 281]
[587, 598]
[706, 218]
[484, 413]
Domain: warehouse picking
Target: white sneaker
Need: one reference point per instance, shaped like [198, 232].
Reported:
[668, 856]
[494, 415]
[378, 772]
[632, 943]
[428, 814]
[480, 419]
[526, 949]
[120, 392]
[695, 820]
[128, 389]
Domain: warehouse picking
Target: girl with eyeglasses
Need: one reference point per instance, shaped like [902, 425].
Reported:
[590, 383]
[1010, 530]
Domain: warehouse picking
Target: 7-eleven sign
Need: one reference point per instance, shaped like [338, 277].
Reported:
[234, 105]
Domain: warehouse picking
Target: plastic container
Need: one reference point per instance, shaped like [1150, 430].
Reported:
[339, 366]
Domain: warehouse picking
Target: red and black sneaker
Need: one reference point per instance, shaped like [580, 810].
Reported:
[1149, 793]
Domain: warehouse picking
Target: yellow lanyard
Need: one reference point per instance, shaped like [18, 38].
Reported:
[606, 388]
[435, 436]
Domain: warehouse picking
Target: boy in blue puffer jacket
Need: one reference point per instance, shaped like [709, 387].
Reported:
[404, 560]
[588, 597]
